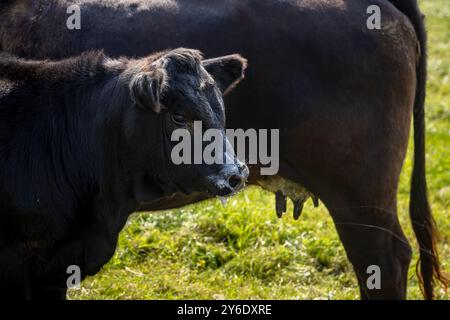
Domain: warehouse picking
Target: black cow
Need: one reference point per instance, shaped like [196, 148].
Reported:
[84, 142]
[341, 94]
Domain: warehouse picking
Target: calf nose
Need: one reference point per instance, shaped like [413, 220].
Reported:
[229, 181]
[236, 180]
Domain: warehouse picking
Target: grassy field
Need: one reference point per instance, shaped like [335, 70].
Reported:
[243, 251]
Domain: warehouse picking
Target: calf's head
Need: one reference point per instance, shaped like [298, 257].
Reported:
[176, 91]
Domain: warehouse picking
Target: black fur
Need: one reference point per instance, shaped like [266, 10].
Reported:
[78, 156]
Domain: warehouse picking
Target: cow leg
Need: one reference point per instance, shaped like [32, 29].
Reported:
[374, 240]
[89, 253]
[42, 290]
[14, 274]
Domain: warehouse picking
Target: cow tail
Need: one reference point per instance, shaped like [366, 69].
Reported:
[424, 226]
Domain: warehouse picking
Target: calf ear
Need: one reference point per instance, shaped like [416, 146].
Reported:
[227, 71]
[146, 89]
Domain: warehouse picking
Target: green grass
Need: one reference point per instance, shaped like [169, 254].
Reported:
[243, 251]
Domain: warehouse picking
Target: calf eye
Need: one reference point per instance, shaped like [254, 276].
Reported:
[179, 119]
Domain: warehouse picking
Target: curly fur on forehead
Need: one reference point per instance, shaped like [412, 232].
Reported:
[182, 60]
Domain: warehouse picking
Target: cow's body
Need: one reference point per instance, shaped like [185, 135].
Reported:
[342, 96]
[295, 57]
